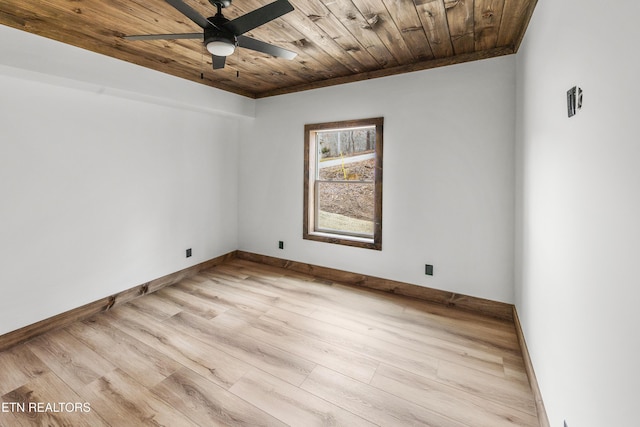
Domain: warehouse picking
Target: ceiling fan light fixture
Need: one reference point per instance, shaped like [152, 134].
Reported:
[220, 46]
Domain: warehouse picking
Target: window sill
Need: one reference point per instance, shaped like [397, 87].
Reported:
[339, 239]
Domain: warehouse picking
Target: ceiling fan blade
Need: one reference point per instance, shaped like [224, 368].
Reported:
[187, 11]
[218, 61]
[165, 36]
[258, 17]
[269, 49]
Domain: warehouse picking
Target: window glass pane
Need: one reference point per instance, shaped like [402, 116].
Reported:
[347, 207]
[346, 154]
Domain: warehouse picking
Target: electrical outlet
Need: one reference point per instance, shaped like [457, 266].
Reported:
[280, 244]
[574, 101]
[428, 269]
[188, 252]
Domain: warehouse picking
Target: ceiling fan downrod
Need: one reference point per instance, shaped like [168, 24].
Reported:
[220, 4]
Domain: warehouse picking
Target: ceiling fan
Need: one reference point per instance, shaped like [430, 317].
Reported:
[221, 36]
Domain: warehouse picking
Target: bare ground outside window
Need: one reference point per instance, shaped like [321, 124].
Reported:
[347, 206]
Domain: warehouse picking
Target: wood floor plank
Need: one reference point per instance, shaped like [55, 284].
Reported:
[122, 401]
[252, 344]
[208, 361]
[486, 361]
[277, 296]
[55, 404]
[462, 406]
[331, 294]
[495, 332]
[320, 352]
[19, 365]
[266, 271]
[69, 358]
[487, 358]
[370, 403]
[370, 347]
[139, 360]
[290, 404]
[443, 344]
[209, 405]
[225, 275]
[514, 369]
[155, 306]
[501, 390]
[427, 328]
[282, 364]
[337, 314]
[187, 302]
[9, 418]
[229, 300]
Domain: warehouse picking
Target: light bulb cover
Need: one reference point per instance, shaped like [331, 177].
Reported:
[221, 47]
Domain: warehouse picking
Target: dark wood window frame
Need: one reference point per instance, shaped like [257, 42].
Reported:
[309, 231]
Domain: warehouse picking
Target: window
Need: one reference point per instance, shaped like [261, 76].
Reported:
[343, 183]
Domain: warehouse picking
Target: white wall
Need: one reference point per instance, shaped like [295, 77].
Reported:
[579, 210]
[103, 186]
[448, 176]
[28, 56]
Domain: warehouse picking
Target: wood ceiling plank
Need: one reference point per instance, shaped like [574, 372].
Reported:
[255, 70]
[279, 72]
[17, 17]
[11, 16]
[263, 68]
[515, 20]
[160, 11]
[330, 25]
[311, 63]
[280, 33]
[38, 21]
[379, 20]
[434, 19]
[103, 20]
[85, 36]
[487, 17]
[118, 15]
[383, 72]
[314, 34]
[406, 18]
[461, 25]
[351, 18]
[206, 9]
[165, 56]
[244, 61]
[145, 18]
[337, 41]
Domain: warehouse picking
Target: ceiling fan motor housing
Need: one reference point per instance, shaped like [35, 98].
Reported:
[214, 34]
[219, 35]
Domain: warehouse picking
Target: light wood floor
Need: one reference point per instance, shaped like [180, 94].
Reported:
[244, 344]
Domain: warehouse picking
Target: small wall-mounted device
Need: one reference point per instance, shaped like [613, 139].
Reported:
[574, 101]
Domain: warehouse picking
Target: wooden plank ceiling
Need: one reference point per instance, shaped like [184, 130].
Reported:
[337, 41]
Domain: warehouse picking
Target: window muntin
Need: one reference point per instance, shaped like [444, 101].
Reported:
[343, 183]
